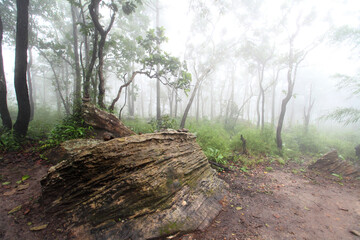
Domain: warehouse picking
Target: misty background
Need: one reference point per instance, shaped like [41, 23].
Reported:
[229, 37]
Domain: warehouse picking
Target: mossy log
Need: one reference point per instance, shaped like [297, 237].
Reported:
[136, 187]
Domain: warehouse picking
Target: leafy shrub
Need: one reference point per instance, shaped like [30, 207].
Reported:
[8, 142]
[72, 127]
[215, 155]
[165, 122]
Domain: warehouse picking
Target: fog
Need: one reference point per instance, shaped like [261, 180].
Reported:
[221, 35]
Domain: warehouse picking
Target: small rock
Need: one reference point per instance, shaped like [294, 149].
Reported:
[108, 136]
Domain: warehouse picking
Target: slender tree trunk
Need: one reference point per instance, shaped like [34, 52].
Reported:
[30, 84]
[151, 100]
[77, 92]
[186, 112]
[285, 102]
[86, 50]
[158, 89]
[262, 92]
[273, 105]
[125, 85]
[4, 111]
[176, 103]
[198, 104]
[258, 110]
[89, 69]
[307, 112]
[57, 83]
[103, 34]
[21, 89]
[211, 100]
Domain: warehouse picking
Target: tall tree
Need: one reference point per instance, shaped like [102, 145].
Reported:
[103, 34]
[21, 88]
[4, 111]
[307, 111]
[77, 92]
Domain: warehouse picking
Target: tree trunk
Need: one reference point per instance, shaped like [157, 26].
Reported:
[176, 103]
[91, 65]
[158, 89]
[86, 50]
[103, 34]
[186, 112]
[274, 97]
[151, 100]
[57, 83]
[30, 84]
[4, 111]
[125, 85]
[285, 101]
[77, 92]
[307, 112]
[211, 100]
[198, 104]
[21, 89]
[258, 110]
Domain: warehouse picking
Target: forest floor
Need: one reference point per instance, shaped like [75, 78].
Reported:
[288, 202]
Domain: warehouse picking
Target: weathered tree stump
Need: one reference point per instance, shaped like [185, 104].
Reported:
[330, 163]
[136, 187]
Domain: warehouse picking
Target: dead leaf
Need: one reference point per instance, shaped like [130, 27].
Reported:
[356, 233]
[38, 228]
[15, 209]
[23, 186]
[276, 216]
[9, 193]
[238, 208]
[26, 211]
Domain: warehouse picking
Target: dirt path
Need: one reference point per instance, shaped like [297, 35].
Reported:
[284, 205]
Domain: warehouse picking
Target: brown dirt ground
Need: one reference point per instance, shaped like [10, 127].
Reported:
[289, 202]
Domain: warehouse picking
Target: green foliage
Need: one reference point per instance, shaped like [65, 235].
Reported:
[339, 176]
[257, 142]
[9, 143]
[298, 142]
[72, 127]
[161, 65]
[138, 125]
[211, 135]
[215, 155]
[269, 169]
[345, 115]
[165, 122]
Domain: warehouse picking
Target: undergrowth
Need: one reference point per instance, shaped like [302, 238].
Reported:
[71, 127]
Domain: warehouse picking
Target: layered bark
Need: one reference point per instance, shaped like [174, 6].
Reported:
[330, 164]
[102, 121]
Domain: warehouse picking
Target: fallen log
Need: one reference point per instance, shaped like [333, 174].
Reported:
[137, 187]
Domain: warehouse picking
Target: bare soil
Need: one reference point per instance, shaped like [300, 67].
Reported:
[288, 202]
